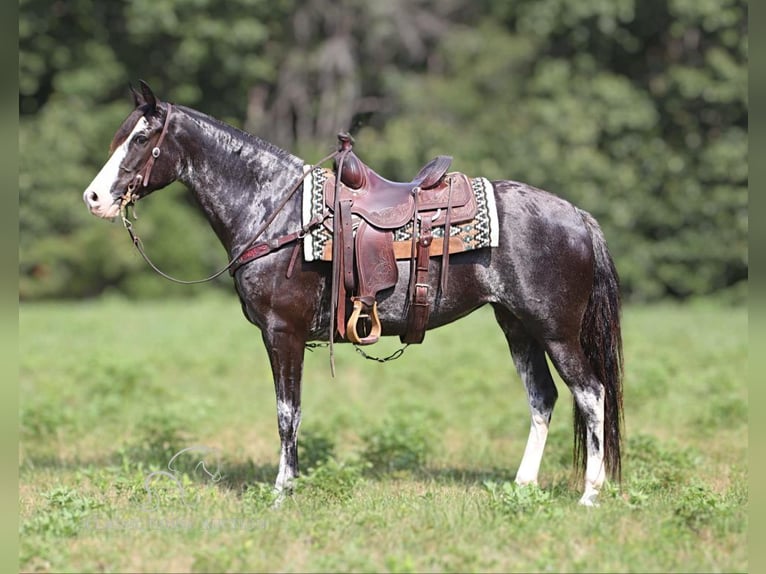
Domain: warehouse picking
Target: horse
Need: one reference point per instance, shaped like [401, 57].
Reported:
[551, 280]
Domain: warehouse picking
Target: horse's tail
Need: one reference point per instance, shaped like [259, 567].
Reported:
[601, 339]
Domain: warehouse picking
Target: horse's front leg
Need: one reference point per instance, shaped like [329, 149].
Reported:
[286, 354]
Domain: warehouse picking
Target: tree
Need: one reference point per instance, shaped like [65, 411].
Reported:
[636, 111]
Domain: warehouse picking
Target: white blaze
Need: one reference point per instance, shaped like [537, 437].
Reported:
[98, 195]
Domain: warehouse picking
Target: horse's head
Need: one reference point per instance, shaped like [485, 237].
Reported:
[140, 161]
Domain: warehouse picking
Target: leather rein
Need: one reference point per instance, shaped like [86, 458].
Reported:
[250, 251]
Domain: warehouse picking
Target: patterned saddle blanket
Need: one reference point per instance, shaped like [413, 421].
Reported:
[481, 229]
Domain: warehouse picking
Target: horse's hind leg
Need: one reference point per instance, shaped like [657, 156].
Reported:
[529, 358]
[588, 393]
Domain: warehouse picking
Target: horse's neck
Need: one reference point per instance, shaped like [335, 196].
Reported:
[238, 181]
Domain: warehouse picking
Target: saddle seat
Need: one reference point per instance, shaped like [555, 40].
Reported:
[357, 175]
[389, 204]
[364, 214]
[383, 203]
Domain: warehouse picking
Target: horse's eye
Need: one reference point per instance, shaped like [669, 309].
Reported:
[140, 139]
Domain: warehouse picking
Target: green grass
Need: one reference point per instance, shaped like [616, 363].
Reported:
[407, 466]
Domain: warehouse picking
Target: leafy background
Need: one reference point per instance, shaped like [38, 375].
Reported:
[635, 111]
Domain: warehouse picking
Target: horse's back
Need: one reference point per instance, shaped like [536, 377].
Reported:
[545, 257]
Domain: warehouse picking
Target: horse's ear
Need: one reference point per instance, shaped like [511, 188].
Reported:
[138, 98]
[148, 95]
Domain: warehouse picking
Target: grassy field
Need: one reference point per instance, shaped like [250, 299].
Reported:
[407, 467]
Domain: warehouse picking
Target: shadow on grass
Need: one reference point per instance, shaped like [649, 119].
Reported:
[238, 474]
[459, 476]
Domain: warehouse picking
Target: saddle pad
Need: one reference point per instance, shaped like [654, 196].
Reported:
[482, 231]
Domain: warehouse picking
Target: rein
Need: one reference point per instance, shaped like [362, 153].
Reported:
[250, 250]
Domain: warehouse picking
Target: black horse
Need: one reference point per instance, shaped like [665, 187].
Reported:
[551, 281]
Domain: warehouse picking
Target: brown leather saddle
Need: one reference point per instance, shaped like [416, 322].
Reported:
[365, 210]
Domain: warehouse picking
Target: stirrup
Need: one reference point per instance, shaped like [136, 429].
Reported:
[375, 329]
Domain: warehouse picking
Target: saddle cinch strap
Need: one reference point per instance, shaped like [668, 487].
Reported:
[369, 209]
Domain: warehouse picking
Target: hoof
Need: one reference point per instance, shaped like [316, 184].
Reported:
[278, 500]
[281, 494]
[589, 499]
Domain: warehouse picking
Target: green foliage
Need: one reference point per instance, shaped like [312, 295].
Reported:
[259, 496]
[41, 419]
[396, 564]
[315, 448]
[331, 481]
[510, 498]
[224, 559]
[652, 466]
[698, 507]
[400, 443]
[576, 101]
[184, 379]
[157, 438]
[63, 514]
[636, 111]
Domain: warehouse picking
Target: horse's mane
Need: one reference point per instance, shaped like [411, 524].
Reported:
[238, 134]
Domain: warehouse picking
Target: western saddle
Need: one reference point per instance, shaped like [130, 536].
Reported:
[365, 209]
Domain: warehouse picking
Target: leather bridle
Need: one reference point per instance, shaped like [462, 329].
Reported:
[141, 179]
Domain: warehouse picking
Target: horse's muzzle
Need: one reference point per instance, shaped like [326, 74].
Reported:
[106, 208]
